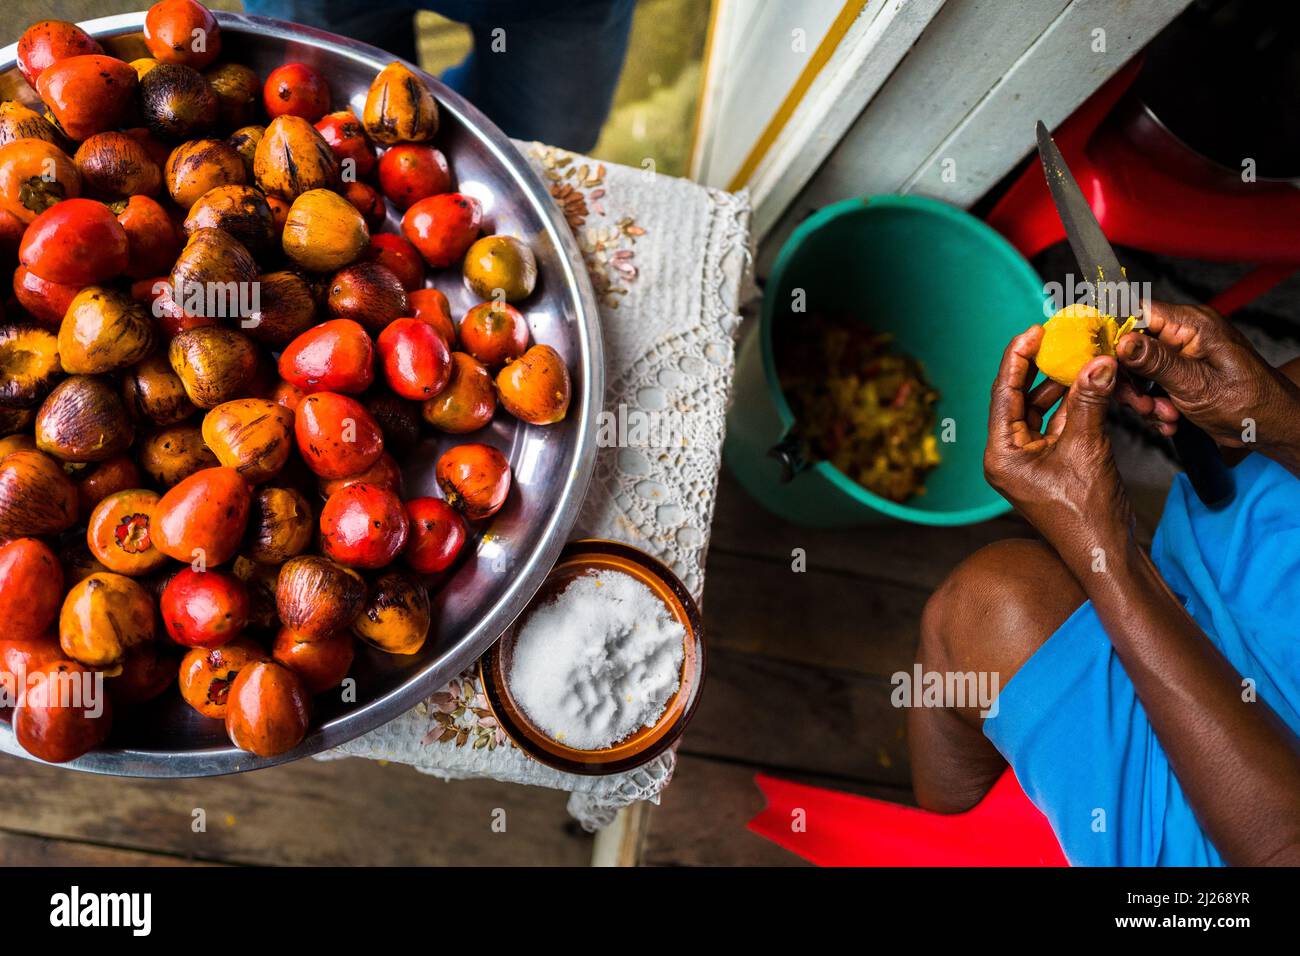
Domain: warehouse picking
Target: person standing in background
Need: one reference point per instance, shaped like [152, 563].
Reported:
[540, 69]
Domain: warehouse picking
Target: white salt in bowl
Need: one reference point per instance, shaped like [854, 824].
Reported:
[586, 557]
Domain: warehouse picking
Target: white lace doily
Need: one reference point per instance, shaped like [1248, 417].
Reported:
[668, 260]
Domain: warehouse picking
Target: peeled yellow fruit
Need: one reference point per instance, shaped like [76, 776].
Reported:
[1073, 337]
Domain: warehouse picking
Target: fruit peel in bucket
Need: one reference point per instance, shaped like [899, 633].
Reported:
[1073, 337]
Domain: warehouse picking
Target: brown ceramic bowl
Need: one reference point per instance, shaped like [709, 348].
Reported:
[642, 746]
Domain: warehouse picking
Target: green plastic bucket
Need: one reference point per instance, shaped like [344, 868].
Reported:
[951, 290]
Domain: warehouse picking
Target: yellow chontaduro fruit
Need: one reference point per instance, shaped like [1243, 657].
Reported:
[1074, 336]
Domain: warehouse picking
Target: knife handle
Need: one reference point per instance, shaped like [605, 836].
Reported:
[1209, 475]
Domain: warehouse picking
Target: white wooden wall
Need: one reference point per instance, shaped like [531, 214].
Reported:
[753, 62]
[937, 97]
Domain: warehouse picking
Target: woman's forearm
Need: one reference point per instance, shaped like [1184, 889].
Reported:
[1279, 438]
[1238, 763]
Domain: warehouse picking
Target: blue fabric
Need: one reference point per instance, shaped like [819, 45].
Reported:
[553, 81]
[1070, 723]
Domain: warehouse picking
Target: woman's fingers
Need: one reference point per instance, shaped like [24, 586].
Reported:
[1007, 405]
[1151, 408]
[1089, 397]
[1057, 424]
[1180, 327]
[1166, 411]
[1157, 360]
[1126, 393]
[1041, 399]
[1157, 413]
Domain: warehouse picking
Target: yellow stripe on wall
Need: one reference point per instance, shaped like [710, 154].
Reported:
[821, 56]
[704, 84]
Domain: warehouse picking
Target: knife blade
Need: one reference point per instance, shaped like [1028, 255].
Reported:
[1092, 250]
[1115, 296]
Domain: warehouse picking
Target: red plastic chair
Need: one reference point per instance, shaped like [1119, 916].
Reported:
[1151, 192]
[841, 829]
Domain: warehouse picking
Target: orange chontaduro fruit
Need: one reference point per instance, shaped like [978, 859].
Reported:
[1073, 337]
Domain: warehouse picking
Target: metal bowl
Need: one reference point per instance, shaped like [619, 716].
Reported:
[552, 466]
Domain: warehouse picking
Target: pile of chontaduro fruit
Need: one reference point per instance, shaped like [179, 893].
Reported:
[174, 498]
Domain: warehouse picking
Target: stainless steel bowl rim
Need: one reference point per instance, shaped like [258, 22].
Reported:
[560, 517]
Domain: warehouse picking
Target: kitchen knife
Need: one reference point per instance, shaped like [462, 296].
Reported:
[1205, 468]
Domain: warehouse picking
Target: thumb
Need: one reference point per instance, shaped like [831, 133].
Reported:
[1148, 357]
[1085, 404]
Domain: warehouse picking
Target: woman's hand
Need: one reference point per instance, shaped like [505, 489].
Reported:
[1213, 375]
[1063, 480]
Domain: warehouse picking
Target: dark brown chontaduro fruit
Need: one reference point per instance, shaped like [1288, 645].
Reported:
[16, 420]
[36, 496]
[83, 420]
[244, 141]
[78, 563]
[288, 309]
[172, 454]
[115, 166]
[177, 102]
[236, 87]
[368, 293]
[152, 390]
[238, 210]
[97, 482]
[29, 365]
[103, 330]
[213, 261]
[19, 122]
[148, 670]
[316, 597]
[260, 581]
[214, 364]
[199, 165]
[293, 158]
[279, 525]
[398, 419]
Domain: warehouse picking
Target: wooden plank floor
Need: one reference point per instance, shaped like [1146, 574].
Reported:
[799, 666]
[346, 812]
[797, 685]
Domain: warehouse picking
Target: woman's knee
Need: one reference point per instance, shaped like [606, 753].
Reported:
[997, 607]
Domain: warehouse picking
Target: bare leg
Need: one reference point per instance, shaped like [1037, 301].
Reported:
[990, 615]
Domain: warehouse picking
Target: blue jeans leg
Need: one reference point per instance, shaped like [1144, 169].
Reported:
[541, 69]
[549, 78]
[387, 24]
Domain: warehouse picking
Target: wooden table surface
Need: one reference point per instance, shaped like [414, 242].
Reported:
[798, 685]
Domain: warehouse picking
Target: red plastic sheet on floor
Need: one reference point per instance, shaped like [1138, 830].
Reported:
[831, 828]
